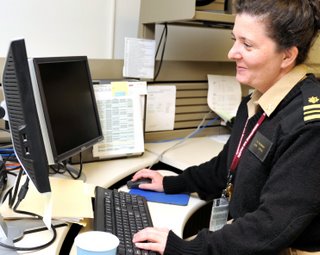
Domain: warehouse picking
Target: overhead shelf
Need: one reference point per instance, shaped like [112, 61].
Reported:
[214, 16]
[208, 19]
[184, 12]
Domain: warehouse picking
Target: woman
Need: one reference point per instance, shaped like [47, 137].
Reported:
[272, 160]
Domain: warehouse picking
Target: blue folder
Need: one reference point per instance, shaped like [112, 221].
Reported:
[161, 197]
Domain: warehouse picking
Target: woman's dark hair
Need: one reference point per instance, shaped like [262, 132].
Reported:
[289, 22]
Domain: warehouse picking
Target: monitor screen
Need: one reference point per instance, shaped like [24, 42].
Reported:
[23, 118]
[67, 106]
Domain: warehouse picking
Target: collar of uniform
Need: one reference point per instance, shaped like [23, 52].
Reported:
[274, 95]
[253, 103]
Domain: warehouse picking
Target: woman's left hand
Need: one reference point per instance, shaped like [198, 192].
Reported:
[153, 239]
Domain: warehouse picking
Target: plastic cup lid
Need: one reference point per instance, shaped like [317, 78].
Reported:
[96, 241]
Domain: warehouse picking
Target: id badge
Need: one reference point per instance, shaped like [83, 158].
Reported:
[219, 213]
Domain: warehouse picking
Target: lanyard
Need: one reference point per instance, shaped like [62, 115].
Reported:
[236, 158]
[241, 146]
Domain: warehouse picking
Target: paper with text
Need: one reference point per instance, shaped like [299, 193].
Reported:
[224, 95]
[121, 119]
[139, 58]
[161, 105]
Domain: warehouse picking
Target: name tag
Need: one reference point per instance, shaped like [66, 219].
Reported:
[260, 146]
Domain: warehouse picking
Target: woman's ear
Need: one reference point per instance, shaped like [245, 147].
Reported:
[290, 56]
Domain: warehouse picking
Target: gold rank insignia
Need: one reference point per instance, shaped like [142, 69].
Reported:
[313, 100]
[311, 111]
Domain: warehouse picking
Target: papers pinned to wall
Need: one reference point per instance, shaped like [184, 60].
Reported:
[139, 58]
[224, 95]
[161, 104]
[121, 110]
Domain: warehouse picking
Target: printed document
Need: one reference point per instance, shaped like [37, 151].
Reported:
[224, 95]
[161, 104]
[121, 116]
[139, 58]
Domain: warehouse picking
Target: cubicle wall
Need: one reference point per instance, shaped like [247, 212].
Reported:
[190, 79]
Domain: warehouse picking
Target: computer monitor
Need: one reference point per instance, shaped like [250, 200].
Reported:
[66, 105]
[23, 118]
[51, 108]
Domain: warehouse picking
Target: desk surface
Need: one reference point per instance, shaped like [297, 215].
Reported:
[193, 151]
[106, 173]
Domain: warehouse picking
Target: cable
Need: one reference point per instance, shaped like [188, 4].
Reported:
[161, 37]
[22, 193]
[165, 34]
[70, 169]
[17, 166]
[9, 153]
[197, 130]
[39, 247]
[9, 191]
[61, 168]
[15, 189]
[57, 169]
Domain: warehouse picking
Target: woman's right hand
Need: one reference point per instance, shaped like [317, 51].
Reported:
[156, 179]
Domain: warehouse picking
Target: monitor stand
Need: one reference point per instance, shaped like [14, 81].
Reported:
[14, 230]
[5, 238]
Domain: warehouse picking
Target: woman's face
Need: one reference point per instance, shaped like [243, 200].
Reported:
[258, 62]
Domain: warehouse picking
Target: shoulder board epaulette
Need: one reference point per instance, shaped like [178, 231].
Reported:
[311, 102]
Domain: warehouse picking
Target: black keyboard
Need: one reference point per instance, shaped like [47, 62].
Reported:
[122, 214]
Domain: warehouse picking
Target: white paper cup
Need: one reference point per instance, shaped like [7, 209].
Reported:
[96, 242]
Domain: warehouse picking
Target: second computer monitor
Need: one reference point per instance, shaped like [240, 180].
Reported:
[66, 105]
